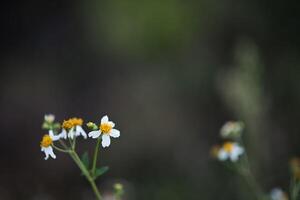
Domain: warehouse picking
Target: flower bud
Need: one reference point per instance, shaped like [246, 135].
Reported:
[49, 118]
[118, 190]
[92, 125]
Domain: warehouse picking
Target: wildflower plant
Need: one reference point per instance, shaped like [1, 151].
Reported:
[232, 153]
[63, 138]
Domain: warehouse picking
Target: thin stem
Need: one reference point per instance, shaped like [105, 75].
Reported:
[95, 156]
[245, 171]
[60, 149]
[249, 178]
[88, 176]
[294, 188]
[74, 143]
[63, 144]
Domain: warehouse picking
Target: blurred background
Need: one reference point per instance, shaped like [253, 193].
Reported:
[169, 73]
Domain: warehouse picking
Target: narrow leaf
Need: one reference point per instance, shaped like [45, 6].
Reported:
[85, 159]
[100, 171]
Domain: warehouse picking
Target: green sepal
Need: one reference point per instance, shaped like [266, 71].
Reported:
[46, 126]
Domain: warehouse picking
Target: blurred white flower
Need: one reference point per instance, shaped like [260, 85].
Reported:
[278, 194]
[46, 144]
[231, 151]
[74, 127]
[49, 118]
[232, 129]
[106, 130]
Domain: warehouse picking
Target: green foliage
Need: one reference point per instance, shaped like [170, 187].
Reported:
[100, 171]
[85, 159]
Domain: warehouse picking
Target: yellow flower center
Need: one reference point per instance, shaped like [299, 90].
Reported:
[46, 141]
[105, 128]
[228, 147]
[70, 123]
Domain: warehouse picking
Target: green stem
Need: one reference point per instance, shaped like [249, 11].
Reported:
[74, 143]
[60, 149]
[95, 156]
[246, 172]
[86, 173]
[294, 189]
[249, 178]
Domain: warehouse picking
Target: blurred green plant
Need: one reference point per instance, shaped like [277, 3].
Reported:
[141, 27]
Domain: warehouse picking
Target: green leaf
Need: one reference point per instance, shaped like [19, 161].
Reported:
[100, 171]
[85, 159]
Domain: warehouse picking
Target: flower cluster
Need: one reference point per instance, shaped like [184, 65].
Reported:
[231, 149]
[71, 129]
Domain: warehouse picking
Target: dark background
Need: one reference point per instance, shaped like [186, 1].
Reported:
[169, 73]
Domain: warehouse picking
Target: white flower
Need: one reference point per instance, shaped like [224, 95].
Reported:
[232, 129]
[230, 150]
[278, 194]
[106, 130]
[74, 125]
[76, 131]
[49, 118]
[46, 144]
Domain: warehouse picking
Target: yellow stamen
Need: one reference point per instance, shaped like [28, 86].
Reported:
[46, 141]
[70, 123]
[228, 147]
[105, 128]
[77, 121]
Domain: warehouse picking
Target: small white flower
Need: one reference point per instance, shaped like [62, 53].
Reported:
[232, 129]
[230, 150]
[278, 194]
[74, 125]
[49, 118]
[106, 130]
[46, 144]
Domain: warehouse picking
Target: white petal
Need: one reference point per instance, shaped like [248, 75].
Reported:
[223, 155]
[81, 131]
[94, 134]
[47, 156]
[71, 133]
[63, 134]
[105, 140]
[111, 124]
[52, 136]
[49, 151]
[234, 157]
[236, 152]
[104, 119]
[114, 133]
